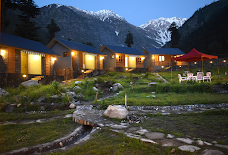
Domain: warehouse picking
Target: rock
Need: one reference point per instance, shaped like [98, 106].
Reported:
[41, 99]
[3, 92]
[122, 76]
[80, 95]
[115, 126]
[186, 140]
[169, 142]
[95, 89]
[172, 151]
[54, 96]
[155, 135]
[132, 129]
[61, 144]
[212, 152]
[76, 88]
[72, 106]
[200, 142]
[30, 83]
[98, 85]
[170, 136]
[190, 148]
[42, 108]
[148, 141]
[133, 136]
[116, 87]
[152, 83]
[10, 107]
[71, 94]
[116, 111]
[142, 131]
[77, 82]
[222, 146]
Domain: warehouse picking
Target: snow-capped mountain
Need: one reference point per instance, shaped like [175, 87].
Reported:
[101, 27]
[160, 27]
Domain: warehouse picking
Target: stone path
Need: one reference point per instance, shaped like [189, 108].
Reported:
[86, 115]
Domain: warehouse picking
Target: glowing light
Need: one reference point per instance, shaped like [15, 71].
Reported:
[90, 58]
[224, 60]
[24, 76]
[152, 57]
[72, 53]
[195, 63]
[126, 69]
[180, 66]
[2, 52]
[117, 55]
[82, 71]
[132, 58]
[162, 66]
[101, 58]
[53, 59]
[143, 58]
[35, 57]
[211, 62]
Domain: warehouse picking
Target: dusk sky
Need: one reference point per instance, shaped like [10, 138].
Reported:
[137, 12]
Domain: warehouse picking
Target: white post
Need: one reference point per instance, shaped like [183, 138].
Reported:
[126, 100]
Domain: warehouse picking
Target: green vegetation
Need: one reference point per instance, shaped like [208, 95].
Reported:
[16, 136]
[107, 142]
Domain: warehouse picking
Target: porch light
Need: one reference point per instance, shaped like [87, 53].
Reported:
[126, 69]
[72, 53]
[117, 55]
[53, 59]
[195, 63]
[82, 71]
[35, 57]
[2, 52]
[143, 58]
[224, 60]
[162, 66]
[152, 57]
[211, 62]
[180, 66]
[101, 58]
[24, 76]
[90, 58]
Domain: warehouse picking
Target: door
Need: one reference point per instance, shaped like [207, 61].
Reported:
[132, 62]
[89, 61]
[24, 63]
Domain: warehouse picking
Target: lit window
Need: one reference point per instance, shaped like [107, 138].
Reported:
[66, 54]
[161, 58]
[112, 56]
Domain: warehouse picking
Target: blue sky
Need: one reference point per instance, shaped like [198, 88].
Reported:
[137, 12]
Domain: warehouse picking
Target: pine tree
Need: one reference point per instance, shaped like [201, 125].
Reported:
[27, 28]
[129, 39]
[52, 29]
[175, 36]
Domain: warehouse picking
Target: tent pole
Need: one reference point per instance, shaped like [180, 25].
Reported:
[217, 66]
[202, 62]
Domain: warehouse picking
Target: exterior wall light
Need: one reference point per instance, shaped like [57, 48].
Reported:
[101, 58]
[180, 66]
[153, 57]
[53, 59]
[126, 69]
[211, 62]
[195, 63]
[2, 52]
[72, 53]
[82, 71]
[162, 66]
[224, 60]
[24, 76]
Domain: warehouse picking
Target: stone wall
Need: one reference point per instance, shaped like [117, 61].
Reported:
[43, 65]
[66, 73]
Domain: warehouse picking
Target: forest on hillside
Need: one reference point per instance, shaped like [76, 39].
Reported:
[211, 34]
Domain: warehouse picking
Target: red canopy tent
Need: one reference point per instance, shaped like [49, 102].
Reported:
[195, 55]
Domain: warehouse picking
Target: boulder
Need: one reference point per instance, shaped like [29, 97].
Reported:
[72, 106]
[116, 87]
[108, 84]
[80, 95]
[3, 92]
[190, 148]
[10, 107]
[77, 82]
[116, 111]
[212, 152]
[77, 88]
[41, 99]
[71, 94]
[30, 83]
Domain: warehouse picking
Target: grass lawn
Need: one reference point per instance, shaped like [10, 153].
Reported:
[16, 136]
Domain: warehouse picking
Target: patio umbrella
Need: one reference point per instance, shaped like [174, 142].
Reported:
[194, 56]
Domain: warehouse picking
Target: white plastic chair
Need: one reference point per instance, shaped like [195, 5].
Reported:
[199, 76]
[191, 77]
[207, 77]
[182, 78]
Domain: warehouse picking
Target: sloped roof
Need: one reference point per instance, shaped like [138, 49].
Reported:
[25, 44]
[195, 55]
[78, 46]
[165, 51]
[124, 50]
